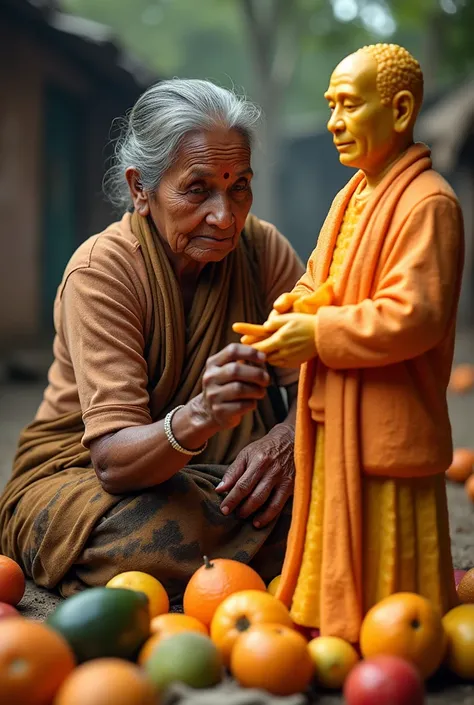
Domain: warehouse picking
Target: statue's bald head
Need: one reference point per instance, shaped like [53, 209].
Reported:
[397, 70]
[374, 96]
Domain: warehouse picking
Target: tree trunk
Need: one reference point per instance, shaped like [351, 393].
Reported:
[432, 49]
[274, 49]
[267, 157]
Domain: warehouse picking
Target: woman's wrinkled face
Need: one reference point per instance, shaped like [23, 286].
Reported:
[203, 200]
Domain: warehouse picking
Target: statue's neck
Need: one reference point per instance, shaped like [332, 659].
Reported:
[373, 179]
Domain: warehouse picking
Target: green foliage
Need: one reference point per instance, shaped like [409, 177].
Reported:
[211, 39]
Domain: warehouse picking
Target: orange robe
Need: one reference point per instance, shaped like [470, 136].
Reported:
[379, 387]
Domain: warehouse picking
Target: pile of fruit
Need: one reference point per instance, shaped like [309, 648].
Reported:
[120, 643]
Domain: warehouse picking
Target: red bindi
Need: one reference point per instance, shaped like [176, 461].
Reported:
[226, 175]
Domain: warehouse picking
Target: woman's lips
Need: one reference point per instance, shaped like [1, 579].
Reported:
[217, 241]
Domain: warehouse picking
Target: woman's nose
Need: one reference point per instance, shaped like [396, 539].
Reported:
[220, 214]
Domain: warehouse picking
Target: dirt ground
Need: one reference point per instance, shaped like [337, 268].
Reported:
[18, 402]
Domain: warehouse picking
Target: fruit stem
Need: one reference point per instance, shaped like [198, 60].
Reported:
[207, 562]
[242, 624]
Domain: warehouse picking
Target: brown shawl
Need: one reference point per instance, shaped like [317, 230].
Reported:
[176, 353]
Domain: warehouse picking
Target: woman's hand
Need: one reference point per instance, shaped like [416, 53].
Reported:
[262, 474]
[233, 382]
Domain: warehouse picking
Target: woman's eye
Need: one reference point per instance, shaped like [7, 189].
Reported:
[349, 106]
[196, 191]
[241, 186]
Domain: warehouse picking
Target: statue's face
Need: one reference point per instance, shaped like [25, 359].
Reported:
[362, 127]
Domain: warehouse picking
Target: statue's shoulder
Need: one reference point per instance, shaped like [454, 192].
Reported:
[429, 184]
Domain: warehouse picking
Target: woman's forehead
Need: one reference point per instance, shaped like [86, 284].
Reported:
[205, 152]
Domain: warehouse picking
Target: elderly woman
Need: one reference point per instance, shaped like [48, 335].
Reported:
[160, 438]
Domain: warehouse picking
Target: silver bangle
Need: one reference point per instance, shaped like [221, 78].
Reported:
[171, 437]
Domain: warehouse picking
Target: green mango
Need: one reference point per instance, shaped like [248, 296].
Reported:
[103, 622]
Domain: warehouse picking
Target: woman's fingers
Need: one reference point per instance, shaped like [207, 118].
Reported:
[239, 375]
[243, 486]
[258, 496]
[233, 473]
[233, 381]
[279, 498]
[235, 352]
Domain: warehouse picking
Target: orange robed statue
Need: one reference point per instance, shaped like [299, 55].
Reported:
[372, 322]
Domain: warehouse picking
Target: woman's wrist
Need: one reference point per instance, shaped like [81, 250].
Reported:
[191, 426]
[286, 425]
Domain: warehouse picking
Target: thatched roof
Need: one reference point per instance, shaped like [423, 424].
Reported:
[447, 125]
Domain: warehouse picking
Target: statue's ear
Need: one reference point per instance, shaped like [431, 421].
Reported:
[404, 111]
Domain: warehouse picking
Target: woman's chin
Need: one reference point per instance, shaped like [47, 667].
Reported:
[210, 254]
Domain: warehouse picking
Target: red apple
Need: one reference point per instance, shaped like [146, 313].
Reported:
[7, 610]
[384, 680]
[458, 576]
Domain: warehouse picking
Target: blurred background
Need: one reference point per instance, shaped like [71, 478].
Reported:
[69, 67]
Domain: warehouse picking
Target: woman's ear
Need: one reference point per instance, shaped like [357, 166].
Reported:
[137, 192]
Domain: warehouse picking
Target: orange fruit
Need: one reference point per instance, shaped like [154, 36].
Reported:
[176, 622]
[274, 658]
[405, 625]
[272, 586]
[166, 625]
[333, 659]
[462, 465]
[12, 581]
[105, 681]
[469, 486]
[158, 600]
[466, 587]
[462, 378]
[242, 610]
[458, 624]
[213, 582]
[34, 661]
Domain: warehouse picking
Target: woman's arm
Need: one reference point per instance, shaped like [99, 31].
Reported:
[138, 457]
[100, 320]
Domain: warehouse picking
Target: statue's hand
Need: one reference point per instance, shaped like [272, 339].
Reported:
[254, 333]
[284, 303]
[292, 340]
[311, 303]
[251, 332]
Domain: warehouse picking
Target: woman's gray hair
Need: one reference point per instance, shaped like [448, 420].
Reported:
[160, 119]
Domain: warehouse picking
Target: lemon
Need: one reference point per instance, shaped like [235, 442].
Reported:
[142, 582]
[273, 585]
